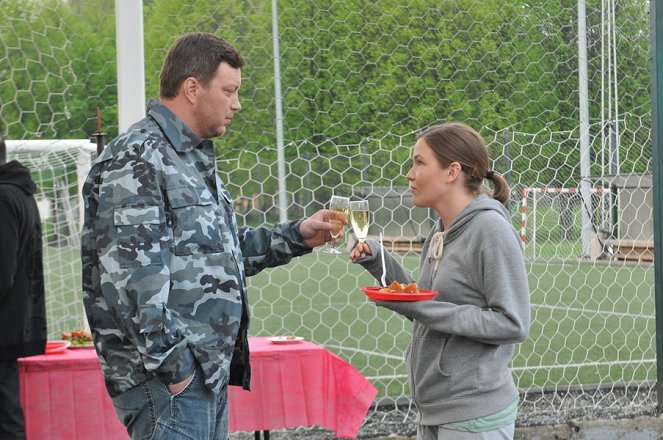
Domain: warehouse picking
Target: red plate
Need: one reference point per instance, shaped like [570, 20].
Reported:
[373, 292]
[56, 347]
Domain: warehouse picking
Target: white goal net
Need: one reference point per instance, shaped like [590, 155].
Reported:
[59, 168]
[551, 222]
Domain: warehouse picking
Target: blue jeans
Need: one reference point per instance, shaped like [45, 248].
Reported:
[151, 411]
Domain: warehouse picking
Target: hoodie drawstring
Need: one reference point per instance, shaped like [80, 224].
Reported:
[435, 252]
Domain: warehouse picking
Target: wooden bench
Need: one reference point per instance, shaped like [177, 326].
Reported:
[400, 243]
[632, 250]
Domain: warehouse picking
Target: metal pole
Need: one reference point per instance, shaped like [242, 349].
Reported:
[508, 164]
[280, 154]
[614, 171]
[585, 183]
[130, 62]
[657, 158]
[363, 151]
[100, 136]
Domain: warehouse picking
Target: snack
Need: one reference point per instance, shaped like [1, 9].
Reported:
[77, 337]
[397, 287]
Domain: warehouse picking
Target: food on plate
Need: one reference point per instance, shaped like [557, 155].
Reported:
[289, 339]
[397, 287]
[78, 337]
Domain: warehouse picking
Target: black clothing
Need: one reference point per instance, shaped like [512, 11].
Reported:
[12, 425]
[22, 302]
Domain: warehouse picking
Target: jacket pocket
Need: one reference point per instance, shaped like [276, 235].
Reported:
[156, 327]
[460, 361]
[195, 221]
[138, 235]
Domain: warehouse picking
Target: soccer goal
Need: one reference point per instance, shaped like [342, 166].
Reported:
[551, 222]
[59, 168]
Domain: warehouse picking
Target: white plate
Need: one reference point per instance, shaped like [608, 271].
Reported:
[285, 339]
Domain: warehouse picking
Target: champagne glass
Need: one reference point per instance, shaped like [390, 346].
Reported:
[338, 217]
[360, 219]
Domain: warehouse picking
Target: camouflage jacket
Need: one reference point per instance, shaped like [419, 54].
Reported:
[164, 262]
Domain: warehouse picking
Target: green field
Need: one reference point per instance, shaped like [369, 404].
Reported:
[591, 323]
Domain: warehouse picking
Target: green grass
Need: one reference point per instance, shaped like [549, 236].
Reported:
[591, 323]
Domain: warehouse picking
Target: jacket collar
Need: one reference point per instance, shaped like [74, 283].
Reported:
[180, 136]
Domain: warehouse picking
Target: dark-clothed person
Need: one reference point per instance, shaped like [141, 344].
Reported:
[22, 303]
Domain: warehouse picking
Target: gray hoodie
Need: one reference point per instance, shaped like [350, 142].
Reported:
[463, 340]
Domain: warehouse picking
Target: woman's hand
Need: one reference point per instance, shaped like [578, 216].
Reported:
[359, 251]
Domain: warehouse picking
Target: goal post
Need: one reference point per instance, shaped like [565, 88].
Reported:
[552, 221]
[59, 168]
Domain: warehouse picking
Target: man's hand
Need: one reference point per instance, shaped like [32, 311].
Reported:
[315, 229]
[176, 388]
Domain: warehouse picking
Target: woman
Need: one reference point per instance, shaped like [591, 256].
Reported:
[463, 340]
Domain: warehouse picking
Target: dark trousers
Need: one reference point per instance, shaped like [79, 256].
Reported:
[12, 423]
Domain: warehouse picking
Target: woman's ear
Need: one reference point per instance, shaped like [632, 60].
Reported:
[453, 171]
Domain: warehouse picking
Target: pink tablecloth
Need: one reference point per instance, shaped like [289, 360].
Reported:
[64, 398]
[303, 384]
[300, 384]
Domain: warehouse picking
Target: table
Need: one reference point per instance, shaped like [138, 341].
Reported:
[64, 398]
[301, 384]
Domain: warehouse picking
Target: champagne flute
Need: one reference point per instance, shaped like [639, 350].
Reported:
[360, 219]
[338, 217]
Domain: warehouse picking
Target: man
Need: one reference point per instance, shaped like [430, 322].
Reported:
[22, 304]
[164, 262]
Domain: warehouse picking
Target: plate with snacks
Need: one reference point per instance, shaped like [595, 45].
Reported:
[290, 339]
[78, 338]
[398, 292]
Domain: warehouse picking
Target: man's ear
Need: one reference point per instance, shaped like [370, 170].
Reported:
[190, 89]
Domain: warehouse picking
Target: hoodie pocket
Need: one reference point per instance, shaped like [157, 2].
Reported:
[443, 367]
[427, 380]
[461, 360]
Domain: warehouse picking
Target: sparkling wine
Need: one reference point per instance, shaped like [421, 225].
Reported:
[360, 222]
[337, 218]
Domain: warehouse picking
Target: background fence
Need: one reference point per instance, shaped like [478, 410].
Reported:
[358, 80]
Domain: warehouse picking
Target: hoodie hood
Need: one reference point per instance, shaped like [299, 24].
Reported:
[13, 173]
[439, 238]
[479, 204]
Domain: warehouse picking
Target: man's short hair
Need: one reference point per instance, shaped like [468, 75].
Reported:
[198, 55]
